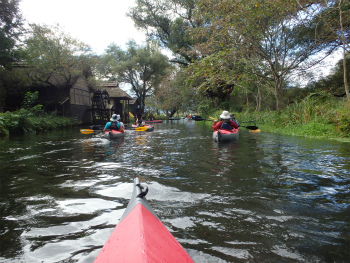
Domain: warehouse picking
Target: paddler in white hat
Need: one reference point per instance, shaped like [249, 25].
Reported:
[225, 123]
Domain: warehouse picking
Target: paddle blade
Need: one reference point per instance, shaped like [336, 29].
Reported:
[86, 131]
[141, 129]
[131, 115]
[251, 127]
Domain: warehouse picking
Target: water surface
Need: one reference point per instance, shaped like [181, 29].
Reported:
[261, 198]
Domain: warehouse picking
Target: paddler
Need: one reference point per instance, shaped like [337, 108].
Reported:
[114, 124]
[225, 123]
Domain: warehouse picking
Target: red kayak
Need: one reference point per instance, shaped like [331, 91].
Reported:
[155, 121]
[140, 236]
[223, 135]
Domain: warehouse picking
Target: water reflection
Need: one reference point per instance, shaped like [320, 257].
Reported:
[260, 198]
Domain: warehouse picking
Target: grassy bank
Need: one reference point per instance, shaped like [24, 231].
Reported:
[27, 121]
[315, 116]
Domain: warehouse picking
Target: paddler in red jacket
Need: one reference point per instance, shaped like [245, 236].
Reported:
[225, 122]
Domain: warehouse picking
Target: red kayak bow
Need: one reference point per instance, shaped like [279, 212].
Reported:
[140, 236]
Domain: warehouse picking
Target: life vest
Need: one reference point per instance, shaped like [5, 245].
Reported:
[226, 126]
[115, 126]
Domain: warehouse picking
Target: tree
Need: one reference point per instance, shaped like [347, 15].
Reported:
[344, 39]
[167, 21]
[334, 82]
[142, 67]
[10, 30]
[174, 94]
[271, 39]
[335, 17]
[55, 60]
[13, 85]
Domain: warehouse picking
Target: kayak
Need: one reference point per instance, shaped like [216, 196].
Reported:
[140, 236]
[113, 134]
[155, 121]
[223, 135]
[149, 127]
[197, 118]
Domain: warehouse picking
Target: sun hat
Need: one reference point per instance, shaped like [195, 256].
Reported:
[225, 115]
[114, 117]
[118, 117]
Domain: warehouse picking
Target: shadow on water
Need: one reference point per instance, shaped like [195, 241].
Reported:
[260, 198]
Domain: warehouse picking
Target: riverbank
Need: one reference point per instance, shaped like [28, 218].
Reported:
[313, 117]
[22, 122]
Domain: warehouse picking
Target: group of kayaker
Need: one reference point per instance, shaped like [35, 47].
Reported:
[114, 124]
[227, 122]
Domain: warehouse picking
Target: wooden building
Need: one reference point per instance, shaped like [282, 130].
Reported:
[70, 101]
[134, 107]
[118, 100]
[66, 95]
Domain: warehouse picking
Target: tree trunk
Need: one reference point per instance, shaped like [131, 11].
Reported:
[258, 106]
[172, 112]
[346, 86]
[278, 92]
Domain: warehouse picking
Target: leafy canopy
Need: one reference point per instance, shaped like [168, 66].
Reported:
[141, 67]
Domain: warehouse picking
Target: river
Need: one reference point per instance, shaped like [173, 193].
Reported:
[262, 198]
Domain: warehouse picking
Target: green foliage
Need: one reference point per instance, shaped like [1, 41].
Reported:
[54, 58]
[31, 118]
[173, 94]
[334, 82]
[30, 99]
[10, 25]
[12, 122]
[23, 122]
[204, 106]
[318, 115]
[342, 120]
[13, 85]
[256, 45]
[167, 22]
[143, 67]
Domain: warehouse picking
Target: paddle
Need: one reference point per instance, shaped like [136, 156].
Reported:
[131, 115]
[253, 128]
[88, 131]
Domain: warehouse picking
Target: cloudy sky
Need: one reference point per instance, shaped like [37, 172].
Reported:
[96, 23]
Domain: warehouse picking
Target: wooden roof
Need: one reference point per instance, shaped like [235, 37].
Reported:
[114, 91]
[133, 100]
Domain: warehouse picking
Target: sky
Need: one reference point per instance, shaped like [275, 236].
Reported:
[96, 23]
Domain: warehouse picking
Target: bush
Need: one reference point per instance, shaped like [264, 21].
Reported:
[317, 115]
[22, 122]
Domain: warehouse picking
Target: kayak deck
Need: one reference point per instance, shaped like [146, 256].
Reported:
[140, 236]
[147, 126]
